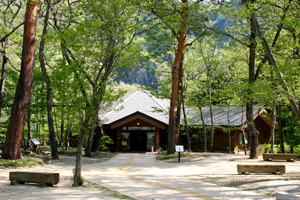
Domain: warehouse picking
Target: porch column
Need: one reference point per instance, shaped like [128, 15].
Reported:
[119, 138]
[157, 140]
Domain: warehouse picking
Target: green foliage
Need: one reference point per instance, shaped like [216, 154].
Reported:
[105, 140]
[164, 156]
[25, 162]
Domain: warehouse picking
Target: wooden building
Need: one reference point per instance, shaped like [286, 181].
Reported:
[139, 122]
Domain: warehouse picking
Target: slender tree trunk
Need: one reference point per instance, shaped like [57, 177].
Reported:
[54, 151]
[273, 127]
[3, 73]
[179, 98]
[97, 137]
[228, 120]
[210, 109]
[68, 135]
[185, 124]
[62, 130]
[204, 129]
[29, 135]
[16, 125]
[88, 152]
[281, 138]
[249, 107]
[175, 71]
[243, 130]
[77, 172]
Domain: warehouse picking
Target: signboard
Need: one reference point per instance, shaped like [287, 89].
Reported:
[35, 141]
[179, 148]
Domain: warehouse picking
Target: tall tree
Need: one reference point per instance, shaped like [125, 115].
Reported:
[181, 39]
[54, 152]
[15, 129]
[92, 49]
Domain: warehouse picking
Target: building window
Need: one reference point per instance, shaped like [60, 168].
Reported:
[135, 128]
[241, 137]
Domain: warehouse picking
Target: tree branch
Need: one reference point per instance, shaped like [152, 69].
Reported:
[6, 36]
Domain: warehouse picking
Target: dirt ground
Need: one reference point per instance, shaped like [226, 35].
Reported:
[266, 184]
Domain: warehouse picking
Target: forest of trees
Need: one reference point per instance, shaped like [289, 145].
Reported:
[64, 61]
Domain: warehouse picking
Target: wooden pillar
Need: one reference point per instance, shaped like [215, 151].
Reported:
[157, 139]
[119, 139]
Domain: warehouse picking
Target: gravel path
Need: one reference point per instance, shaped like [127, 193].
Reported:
[216, 168]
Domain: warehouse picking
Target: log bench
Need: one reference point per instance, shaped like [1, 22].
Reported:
[279, 156]
[247, 169]
[42, 178]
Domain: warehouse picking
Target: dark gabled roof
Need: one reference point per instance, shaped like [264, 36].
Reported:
[137, 101]
[141, 101]
[237, 115]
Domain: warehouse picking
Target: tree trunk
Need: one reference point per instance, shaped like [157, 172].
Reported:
[29, 135]
[77, 172]
[243, 130]
[67, 136]
[249, 106]
[228, 120]
[16, 125]
[204, 129]
[54, 152]
[62, 126]
[175, 71]
[273, 127]
[97, 139]
[179, 99]
[3, 73]
[185, 124]
[210, 108]
[281, 138]
[88, 152]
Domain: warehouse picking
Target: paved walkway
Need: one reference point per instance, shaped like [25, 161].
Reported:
[139, 176]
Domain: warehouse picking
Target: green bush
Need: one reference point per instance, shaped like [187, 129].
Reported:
[163, 155]
[287, 148]
[26, 162]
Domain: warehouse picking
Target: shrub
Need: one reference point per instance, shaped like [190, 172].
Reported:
[25, 162]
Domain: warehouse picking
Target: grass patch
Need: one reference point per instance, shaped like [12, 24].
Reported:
[110, 192]
[71, 150]
[164, 156]
[25, 162]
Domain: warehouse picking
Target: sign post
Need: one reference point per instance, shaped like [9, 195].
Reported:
[179, 148]
[36, 143]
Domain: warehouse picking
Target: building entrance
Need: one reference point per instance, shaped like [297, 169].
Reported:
[138, 140]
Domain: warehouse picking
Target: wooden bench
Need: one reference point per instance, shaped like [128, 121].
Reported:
[43, 178]
[274, 169]
[279, 156]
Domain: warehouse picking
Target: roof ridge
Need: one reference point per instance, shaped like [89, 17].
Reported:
[119, 105]
[147, 92]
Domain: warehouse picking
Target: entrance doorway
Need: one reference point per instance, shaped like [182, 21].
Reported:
[138, 140]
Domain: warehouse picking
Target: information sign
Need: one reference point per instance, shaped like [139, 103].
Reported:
[35, 141]
[179, 148]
